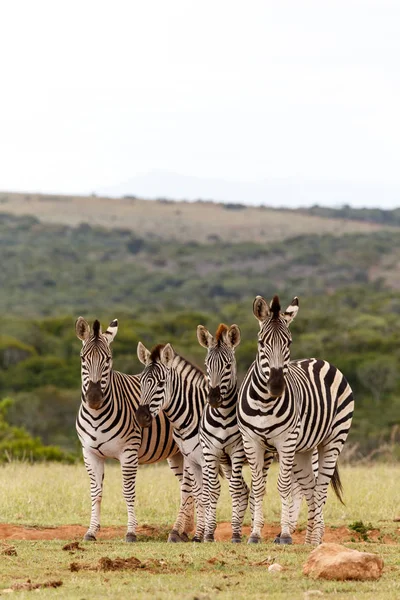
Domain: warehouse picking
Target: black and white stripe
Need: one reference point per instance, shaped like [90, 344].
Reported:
[107, 428]
[293, 408]
[172, 384]
[220, 437]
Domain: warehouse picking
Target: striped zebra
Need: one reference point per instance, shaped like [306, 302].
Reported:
[172, 384]
[220, 437]
[219, 432]
[107, 428]
[293, 408]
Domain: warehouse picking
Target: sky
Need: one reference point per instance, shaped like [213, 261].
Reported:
[185, 99]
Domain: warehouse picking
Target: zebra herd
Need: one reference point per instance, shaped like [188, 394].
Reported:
[205, 426]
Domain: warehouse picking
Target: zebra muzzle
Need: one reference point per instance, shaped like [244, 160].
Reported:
[143, 416]
[276, 382]
[214, 397]
[94, 395]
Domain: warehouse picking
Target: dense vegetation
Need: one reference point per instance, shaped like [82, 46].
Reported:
[161, 290]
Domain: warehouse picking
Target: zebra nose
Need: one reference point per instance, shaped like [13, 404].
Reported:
[143, 416]
[94, 395]
[276, 382]
[214, 397]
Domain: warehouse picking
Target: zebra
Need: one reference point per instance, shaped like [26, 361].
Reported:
[293, 408]
[172, 384]
[107, 428]
[219, 432]
[220, 437]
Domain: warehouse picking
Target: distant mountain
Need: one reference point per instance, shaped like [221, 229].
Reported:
[290, 192]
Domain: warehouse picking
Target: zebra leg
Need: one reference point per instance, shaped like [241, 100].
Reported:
[286, 457]
[304, 476]
[196, 476]
[184, 523]
[259, 461]
[95, 467]
[129, 465]
[294, 510]
[212, 490]
[328, 455]
[239, 494]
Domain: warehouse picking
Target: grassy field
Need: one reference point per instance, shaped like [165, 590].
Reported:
[52, 495]
[184, 221]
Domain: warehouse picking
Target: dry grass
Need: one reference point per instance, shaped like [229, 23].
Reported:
[183, 221]
[55, 494]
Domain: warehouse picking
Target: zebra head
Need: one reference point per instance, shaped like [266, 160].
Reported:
[155, 381]
[274, 339]
[220, 360]
[96, 360]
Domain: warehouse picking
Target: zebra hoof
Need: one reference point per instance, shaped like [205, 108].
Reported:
[285, 540]
[184, 537]
[209, 538]
[174, 537]
[89, 537]
[197, 538]
[236, 539]
[277, 540]
[130, 537]
[254, 539]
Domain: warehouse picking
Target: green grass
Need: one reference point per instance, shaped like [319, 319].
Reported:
[50, 495]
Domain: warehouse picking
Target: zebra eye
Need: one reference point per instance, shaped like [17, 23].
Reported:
[161, 383]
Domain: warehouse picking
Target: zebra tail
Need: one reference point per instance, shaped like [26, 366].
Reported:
[337, 484]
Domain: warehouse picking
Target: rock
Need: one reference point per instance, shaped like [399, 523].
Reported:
[275, 567]
[333, 561]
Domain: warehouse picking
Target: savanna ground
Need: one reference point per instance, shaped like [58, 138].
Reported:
[45, 507]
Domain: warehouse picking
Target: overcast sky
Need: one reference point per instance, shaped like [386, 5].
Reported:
[95, 94]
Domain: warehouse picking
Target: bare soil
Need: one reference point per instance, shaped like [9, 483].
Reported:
[223, 533]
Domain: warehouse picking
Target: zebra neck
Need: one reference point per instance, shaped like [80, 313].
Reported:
[229, 402]
[187, 399]
[260, 391]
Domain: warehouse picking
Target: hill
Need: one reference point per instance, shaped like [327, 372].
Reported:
[202, 222]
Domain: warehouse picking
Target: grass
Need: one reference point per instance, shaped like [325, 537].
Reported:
[50, 495]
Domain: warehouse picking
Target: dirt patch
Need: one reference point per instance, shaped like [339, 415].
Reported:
[222, 534]
[29, 586]
[153, 565]
[7, 550]
[73, 547]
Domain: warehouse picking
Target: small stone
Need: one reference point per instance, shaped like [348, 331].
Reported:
[275, 567]
[333, 561]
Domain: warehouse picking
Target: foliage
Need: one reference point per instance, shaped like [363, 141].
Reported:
[161, 290]
[17, 444]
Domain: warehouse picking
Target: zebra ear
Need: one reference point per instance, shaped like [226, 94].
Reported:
[291, 311]
[143, 354]
[111, 331]
[167, 356]
[204, 337]
[82, 329]
[232, 336]
[260, 308]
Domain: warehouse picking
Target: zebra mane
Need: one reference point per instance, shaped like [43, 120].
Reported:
[156, 352]
[275, 307]
[96, 329]
[222, 328]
